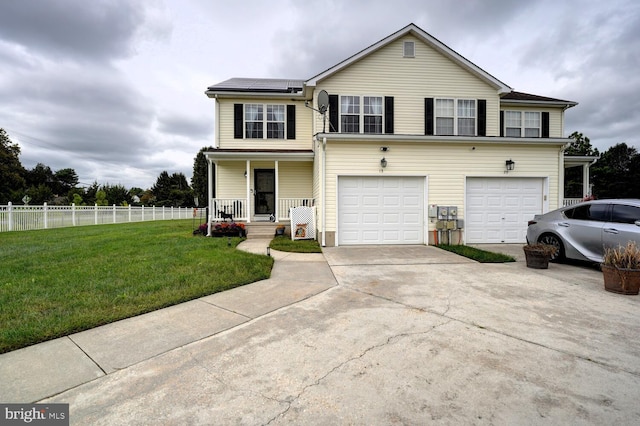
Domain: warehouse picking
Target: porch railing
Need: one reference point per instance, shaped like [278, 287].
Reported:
[229, 209]
[284, 204]
[572, 201]
[239, 209]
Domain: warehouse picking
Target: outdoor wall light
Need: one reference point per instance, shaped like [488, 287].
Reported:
[383, 162]
[245, 173]
[510, 164]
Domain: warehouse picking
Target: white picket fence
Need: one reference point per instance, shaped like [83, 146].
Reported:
[28, 218]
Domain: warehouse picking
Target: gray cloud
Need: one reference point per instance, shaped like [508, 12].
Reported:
[81, 30]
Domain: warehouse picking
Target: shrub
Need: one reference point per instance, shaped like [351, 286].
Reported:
[627, 257]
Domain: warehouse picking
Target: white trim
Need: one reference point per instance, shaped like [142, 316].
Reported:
[378, 138]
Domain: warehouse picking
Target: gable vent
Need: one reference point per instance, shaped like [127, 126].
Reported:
[409, 49]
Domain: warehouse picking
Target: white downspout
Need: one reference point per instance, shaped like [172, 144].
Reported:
[322, 195]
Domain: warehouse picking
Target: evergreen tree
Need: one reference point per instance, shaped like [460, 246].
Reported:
[12, 182]
[200, 177]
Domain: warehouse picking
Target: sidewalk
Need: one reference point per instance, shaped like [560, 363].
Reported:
[40, 371]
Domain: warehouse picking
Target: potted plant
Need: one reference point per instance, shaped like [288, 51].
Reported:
[621, 269]
[538, 255]
[280, 230]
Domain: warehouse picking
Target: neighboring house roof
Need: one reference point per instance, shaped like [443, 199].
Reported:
[426, 38]
[272, 85]
[527, 98]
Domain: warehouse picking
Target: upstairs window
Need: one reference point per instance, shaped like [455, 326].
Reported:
[350, 114]
[260, 121]
[518, 124]
[455, 117]
[275, 121]
[372, 114]
[253, 117]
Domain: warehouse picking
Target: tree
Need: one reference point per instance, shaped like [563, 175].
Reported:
[117, 194]
[101, 198]
[616, 173]
[65, 180]
[581, 146]
[201, 176]
[172, 190]
[11, 170]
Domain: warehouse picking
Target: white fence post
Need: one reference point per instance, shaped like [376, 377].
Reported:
[73, 214]
[95, 214]
[143, 212]
[129, 212]
[114, 214]
[44, 214]
[10, 215]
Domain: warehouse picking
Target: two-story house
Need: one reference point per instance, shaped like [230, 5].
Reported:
[410, 125]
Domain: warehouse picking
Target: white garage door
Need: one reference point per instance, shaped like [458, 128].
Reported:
[380, 210]
[498, 209]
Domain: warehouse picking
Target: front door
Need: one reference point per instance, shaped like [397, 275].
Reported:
[265, 191]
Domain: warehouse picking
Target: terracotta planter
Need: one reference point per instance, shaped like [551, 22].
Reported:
[536, 259]
[621, 281]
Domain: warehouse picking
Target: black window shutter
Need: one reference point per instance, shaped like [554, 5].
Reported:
[482, 117]
[502, 123]
[428, 116]
[291, 121]
[388, 114]
[238, 111]
[333, 113]
[545, 124]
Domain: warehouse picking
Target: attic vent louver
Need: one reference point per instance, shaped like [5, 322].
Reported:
[409, 49]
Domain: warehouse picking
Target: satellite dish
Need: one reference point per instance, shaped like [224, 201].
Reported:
[323, 101]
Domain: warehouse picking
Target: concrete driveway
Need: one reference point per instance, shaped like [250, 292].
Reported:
[406, 335]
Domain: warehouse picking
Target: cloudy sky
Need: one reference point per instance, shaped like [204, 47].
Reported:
[115, 88]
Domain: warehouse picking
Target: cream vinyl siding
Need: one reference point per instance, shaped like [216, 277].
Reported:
[409, 80]
[303, 127]
[230, 181]
[556, 124]
[295, 180]
[446, 165]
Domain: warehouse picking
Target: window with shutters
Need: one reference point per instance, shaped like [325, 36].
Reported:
[455, 117]
[264, 121]
[358, 113]
[522, 123]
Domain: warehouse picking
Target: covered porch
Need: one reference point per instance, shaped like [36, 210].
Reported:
[577, 184]
[259, 186]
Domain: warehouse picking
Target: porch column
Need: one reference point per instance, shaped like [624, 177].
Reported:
[248, 195]
[585, 180]
[209, 194]
[276, 207]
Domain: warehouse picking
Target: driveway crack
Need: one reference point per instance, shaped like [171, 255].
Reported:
[319, 380]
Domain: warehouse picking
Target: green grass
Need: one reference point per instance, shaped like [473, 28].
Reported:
[284, 243]
[61, 281]
[478, 255]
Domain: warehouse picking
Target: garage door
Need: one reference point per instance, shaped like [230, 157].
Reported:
[380, 210]
[498, 209]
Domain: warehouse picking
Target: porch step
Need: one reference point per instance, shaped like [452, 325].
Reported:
[265, 230]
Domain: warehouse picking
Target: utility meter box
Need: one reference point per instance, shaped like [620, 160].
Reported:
[433, 210]
[443, 212]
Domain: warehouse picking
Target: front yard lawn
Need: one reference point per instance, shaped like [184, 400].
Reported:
[61, 281]
[284, 243]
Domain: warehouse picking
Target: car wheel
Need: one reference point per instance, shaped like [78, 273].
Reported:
[553, 240]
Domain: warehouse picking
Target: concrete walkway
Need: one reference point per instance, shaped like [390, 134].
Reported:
[46, 369]
[358, 335]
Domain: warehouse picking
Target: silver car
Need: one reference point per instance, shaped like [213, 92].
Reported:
[582, 231]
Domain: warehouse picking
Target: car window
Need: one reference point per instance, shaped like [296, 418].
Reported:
[597, 212]
[625, 214]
